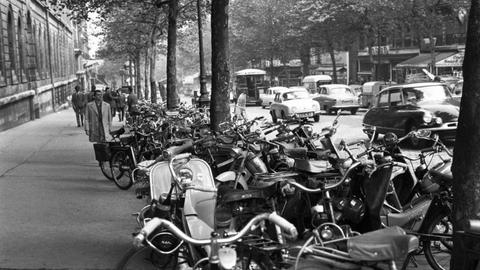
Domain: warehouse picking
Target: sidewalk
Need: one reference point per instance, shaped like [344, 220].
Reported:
[57, 210]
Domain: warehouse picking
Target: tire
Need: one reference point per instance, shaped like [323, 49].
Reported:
[146, 258]
[120, 164]
[274, 117]
[106, 169]
[263, 106]
[354, 111]
[438, 253]
[316, 118]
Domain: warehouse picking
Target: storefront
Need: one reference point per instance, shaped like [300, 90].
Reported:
[446, 63]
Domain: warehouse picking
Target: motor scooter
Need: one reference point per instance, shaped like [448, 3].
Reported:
[188, 202]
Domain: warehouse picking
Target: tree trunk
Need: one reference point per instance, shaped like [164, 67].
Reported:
[138, 79]
[466, 160]
[353, 59]
[219, 105]
[172, 96]
[331, 51]
[305, 58]
[146, 81]
[152, 60]
[130, 71]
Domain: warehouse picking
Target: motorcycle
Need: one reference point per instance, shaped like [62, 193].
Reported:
[186, 205]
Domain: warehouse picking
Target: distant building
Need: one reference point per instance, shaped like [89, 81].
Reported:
[40, 55]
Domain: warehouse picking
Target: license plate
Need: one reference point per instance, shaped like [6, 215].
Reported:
[305, 114]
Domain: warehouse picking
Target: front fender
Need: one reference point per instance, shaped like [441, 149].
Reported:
[229, 176]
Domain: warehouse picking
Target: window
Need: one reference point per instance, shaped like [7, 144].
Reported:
[21, 54]
[383, 99]
[11, 46]
[395, 97]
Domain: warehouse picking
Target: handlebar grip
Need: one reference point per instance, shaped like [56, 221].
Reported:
[175, 150]
[284, 224]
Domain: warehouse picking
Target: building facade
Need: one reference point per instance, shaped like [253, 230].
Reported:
[39, 60]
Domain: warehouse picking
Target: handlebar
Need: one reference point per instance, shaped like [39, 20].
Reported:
[251, 225]
[322, 189]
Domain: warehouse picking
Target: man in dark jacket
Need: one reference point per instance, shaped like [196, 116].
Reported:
[78, 103]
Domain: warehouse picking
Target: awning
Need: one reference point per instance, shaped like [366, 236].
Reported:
[455, 60]
[423, 60]
[330, 69]
[250, 71]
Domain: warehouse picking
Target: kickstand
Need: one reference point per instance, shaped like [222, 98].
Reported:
[410, 258]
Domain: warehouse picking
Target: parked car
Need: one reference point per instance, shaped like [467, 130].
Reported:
[312, 82]
[370, 91]
[334, 97]
[295, 102]
[403, 108]
[269, 95]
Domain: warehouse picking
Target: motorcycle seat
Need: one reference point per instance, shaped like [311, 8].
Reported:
[444, 176]
[300, 152]
[235, 195]
[311, 166]
[382, 245]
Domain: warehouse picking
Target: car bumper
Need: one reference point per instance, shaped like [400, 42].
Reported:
[304, 114]
[446, 131]
[346, 106]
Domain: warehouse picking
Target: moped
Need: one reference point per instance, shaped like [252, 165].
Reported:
[183, 195]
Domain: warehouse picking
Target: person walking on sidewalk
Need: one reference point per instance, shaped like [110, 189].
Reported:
[90, 95]
[109, 98]
[78, 103]
[121, 105]
[98, 119]
[132, 101]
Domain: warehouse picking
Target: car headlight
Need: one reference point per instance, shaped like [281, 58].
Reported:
[293, 109]
[427, 117]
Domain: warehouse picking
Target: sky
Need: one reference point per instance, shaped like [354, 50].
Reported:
[93, 41]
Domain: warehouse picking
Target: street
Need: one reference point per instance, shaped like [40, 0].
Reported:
[58, 210]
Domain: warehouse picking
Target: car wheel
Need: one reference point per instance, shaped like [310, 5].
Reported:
[263, 106]
[316, 118]
[354, 111]
[274, 116]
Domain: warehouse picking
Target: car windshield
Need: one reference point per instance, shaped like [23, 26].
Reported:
[295, 95]
[340, 91]
[427, 93]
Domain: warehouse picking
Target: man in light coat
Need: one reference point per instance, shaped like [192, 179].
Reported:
[98, 119]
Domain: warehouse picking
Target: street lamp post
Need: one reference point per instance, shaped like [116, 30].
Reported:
[203, 100]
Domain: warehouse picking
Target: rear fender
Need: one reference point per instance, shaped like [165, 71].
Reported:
[229, 176]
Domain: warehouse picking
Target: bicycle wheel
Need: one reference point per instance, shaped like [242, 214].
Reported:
[438, 252]
[121, 167]
[107, 170]
[147, 259]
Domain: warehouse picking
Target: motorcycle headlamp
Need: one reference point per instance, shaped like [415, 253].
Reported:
[438, 121]
[185, 175]
[390, 139]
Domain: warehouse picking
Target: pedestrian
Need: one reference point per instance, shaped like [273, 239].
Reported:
[90, 96]
[98, 119]
[121, 105]
[79, 102]
[132, 101]
[113, 104]
[110, 99]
